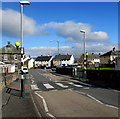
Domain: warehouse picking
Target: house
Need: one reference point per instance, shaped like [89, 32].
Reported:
[65, 60]
[29, 63]
[117, 63]
[91, 59]
[10, 55]
[109, 57]
[43, 61]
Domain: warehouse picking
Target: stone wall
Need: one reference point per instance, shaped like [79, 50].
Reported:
[7, 79]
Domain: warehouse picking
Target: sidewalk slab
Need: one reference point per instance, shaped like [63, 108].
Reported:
[15, 106]
[19, 107]
[68, 103]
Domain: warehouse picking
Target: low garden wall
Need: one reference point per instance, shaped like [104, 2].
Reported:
[6, 79]
[105, 78]
[65, 70]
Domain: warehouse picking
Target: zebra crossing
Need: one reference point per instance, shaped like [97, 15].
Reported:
[48, 86]
[55, 86]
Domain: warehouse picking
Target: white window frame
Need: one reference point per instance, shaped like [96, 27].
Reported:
[15, 57]
[5, 57]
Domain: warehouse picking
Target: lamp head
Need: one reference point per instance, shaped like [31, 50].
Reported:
[17, 44]
[87, 53]
[82, 31]
[24, 2]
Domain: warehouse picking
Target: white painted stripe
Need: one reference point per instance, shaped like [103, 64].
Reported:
[86, 88]
[78, 85]
[61, 85]
[70, 83]
[96, 99]
[45, 105]
[75, 84]
[48, 86]
[112, 106]
[85, 84]
[34, 87]
[101, 102]
[32, 81]
[35, 105]
[50, 115]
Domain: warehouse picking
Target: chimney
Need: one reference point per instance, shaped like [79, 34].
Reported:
[8, 42]
[113, 49]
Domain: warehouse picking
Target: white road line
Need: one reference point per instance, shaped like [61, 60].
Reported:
[86, 84]
[75, 85]
[35, 105]
[45, 105]
[78, 85]
[87, 88]
[44, 102]
[48, 86]
[61, 85]
[32, 81]
[70, 83]
[96, 100]
[34, 87]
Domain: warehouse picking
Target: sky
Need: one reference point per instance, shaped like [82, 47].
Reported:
[62, 21]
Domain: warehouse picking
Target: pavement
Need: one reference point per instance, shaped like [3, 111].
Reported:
[13, 105]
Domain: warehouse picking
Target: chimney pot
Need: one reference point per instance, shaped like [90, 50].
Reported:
[8, 42]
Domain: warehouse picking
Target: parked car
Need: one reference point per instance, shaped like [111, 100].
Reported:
[53, 68]
[25, 70]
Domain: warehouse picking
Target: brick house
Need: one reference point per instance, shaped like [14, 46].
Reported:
[9, 54]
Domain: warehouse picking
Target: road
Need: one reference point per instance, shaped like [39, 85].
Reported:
[45, 82]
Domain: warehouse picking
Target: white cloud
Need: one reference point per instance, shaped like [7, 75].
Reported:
[71, 31]
[11, 24]
[77, 49]
[37, 51]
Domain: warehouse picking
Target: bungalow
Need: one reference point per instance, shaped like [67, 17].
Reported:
[65, 60]
[43, 61]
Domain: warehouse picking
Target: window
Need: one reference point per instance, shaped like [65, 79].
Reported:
[15, 57]
[5, 57]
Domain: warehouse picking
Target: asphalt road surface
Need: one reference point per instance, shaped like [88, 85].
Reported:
[43, 80]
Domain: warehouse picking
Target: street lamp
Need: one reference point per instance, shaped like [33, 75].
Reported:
[57, 44]
[22, 48]
[84, 33]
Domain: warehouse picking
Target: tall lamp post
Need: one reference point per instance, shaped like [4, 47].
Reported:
[22, 3]
[57, 44]
[84, 63]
